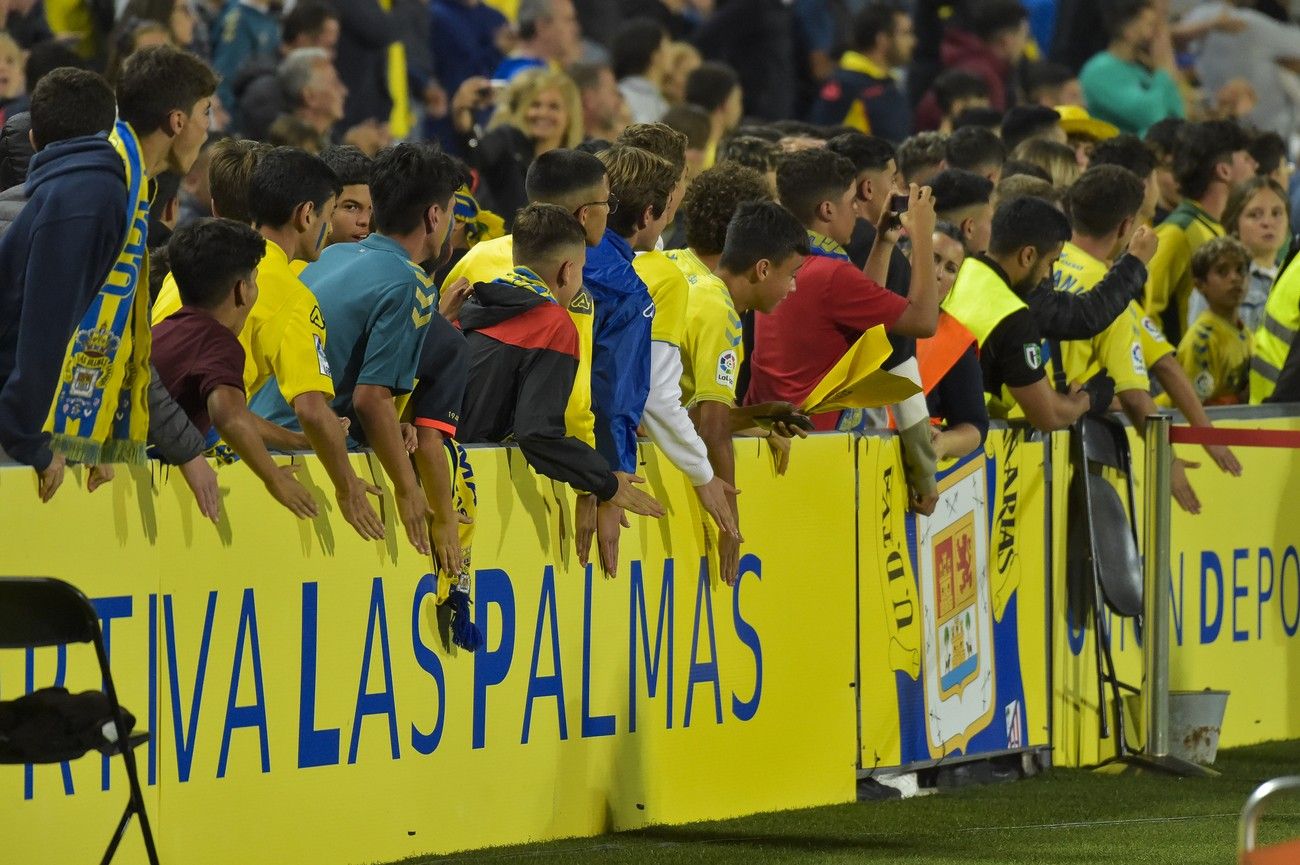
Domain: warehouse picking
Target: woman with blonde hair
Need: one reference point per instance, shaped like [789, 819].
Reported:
[539, 110]
[1058, 160]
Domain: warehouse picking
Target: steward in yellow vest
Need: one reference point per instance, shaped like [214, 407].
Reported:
[1276, 333]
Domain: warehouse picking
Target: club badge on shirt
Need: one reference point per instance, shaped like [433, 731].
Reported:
[322, 362]
[1033, 355]
[728, 364]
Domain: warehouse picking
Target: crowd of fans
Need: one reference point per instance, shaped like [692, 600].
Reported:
[403, 225]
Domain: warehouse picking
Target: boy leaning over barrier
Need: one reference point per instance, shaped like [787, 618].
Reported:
[1215, 351]
[197, 352]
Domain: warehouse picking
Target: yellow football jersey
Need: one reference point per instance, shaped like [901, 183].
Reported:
[667, 285]
[712, 346]
[1215, 354]
[284, 335]
[1119, 348]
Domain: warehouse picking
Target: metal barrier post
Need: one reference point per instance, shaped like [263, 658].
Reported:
[1155, 612]
[1155, 608]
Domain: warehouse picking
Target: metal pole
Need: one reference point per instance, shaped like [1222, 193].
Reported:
[1155, 564]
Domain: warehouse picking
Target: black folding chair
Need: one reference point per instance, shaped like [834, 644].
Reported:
[40, 611]
[1104, 568]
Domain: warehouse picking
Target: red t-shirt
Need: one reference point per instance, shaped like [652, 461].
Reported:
[194, 355]
[833, 304]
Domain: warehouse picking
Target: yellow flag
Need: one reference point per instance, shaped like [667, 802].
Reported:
[857, 381]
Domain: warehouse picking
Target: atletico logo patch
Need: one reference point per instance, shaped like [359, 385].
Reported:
[1033, 355]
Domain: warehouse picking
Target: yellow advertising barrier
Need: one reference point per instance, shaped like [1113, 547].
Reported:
[306, 707]
[953, 613]
[1234, 600]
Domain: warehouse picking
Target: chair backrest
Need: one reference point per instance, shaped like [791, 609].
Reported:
[1104, 442]
[43, 611]
[1274, 854]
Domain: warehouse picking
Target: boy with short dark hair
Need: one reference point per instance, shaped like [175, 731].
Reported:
[197, 351]
[353, 213]
[523, 354]
[1215, 353]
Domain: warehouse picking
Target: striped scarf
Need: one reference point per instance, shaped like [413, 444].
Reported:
[100, 412]
[523, 277]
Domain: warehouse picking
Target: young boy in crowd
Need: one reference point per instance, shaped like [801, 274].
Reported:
[353, 213]
[377, 303]
[1216, 350]
[523, 355]
[197, 352]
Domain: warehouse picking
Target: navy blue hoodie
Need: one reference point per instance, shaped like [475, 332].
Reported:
[52, 261]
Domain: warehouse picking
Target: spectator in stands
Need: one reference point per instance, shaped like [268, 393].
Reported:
[575, 181]
[25, 20]
[682, 59]
[1132, 83]
[964, 199]
[604, 111]
[377, 103]
[755, 38]
[956, 91]
[1256, 215]
[65, 242]
[922, 156]
[290, 131]
[985, 118]
[465, 40]
[175, 15]
[311, 24]
[523, 355]
[1029, 123]
[1272, 159]
[988, 300]
[1019, 168]
[643, 183]
[692, 122]
[539, 112]
[715, 88]
[1243, 44]
[1161, 138]
[377, 304]
[128, 37]
[835, 302]
[976, 149]
[764, 247]
[244, 34]
[1084, 132]
[197, 352]
[1209, 159]
[549, 37]
[314, 92]
[1051, 85]
[862, 94]
[638, 56]
[1059, 160]
[988, 45]
[751, 152]
[13, 84]
[1215, 353]
[355, 209]
[949, 363]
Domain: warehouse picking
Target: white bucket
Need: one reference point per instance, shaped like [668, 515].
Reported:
[1195, 720]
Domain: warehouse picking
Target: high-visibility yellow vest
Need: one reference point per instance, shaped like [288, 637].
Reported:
[1273, 338]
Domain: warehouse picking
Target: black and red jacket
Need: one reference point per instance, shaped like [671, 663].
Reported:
[523, 357]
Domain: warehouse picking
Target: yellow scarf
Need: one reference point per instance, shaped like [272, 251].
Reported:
[454, 587]
[100, 412]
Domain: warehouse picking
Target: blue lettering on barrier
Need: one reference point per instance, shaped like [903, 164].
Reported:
[60, 676]
[315, 747]
[637, 611]
[552, 685]
[1075, 634]
[708, 671]
[185, 739]
[246, 716]
[108, 609]
[427, 743]
[1239, 635]
[153, 687]
[381, 703]
[592, 725]
[1289, 556]
[492, 587]
[1262, 595]
[1210, 564]
[1176, 602]
[744, 711]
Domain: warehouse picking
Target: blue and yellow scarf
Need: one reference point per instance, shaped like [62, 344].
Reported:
[820, 244]
[523, 277]
[480, 224]
[100, 412]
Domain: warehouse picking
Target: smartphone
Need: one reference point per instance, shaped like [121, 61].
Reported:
[794, 419]
[898, 203]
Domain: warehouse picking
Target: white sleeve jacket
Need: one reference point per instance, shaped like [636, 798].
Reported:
[665, 419]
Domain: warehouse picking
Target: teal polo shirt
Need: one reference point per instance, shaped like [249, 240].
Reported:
[377, 304]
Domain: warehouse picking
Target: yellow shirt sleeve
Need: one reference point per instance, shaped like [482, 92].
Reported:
[579, 422]
[711, 352]
[167, 301]
[1119, 351]
[295, 345]
[1155, 347]
[1167, 268]
[669, 291]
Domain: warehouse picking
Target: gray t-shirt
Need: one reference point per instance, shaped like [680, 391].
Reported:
[1251, 54]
